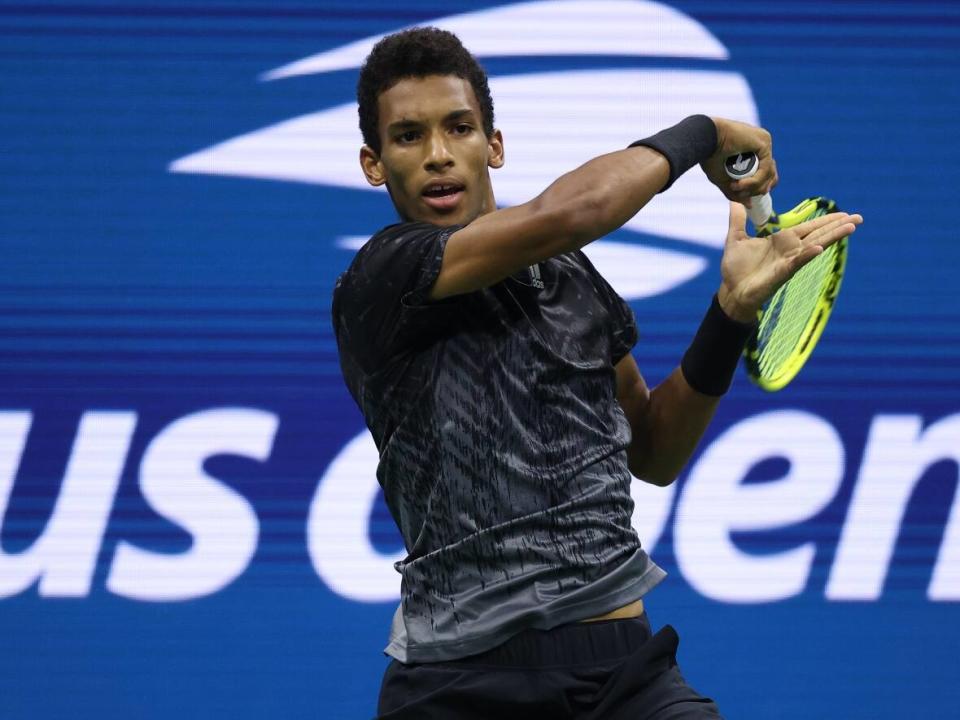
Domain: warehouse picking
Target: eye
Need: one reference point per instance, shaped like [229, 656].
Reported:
[462, 129]
[408, 137]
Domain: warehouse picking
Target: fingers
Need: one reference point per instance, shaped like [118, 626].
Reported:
[826, 230]
[735, 137]
[770, 178]
[804, 256]
[818, 234]
[807, 230]
[760, 184]
[810, 226]
[738, 220]
[738, 194]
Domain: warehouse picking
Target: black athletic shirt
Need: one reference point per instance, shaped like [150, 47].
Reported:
[502, 445]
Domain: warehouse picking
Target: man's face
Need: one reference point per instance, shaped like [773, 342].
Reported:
[435, 157]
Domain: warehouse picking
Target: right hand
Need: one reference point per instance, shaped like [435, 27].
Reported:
[735, 137]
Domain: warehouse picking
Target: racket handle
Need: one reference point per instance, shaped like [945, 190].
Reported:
[744, 165]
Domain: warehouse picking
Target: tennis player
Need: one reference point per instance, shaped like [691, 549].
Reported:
[492, 364]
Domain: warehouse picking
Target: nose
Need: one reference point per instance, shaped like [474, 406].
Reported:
[438, 155]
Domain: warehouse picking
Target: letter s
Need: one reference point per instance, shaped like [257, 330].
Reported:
[223, 524]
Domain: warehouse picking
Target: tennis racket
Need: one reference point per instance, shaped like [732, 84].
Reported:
[792, 321]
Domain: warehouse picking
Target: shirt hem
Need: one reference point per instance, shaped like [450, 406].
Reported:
[575, 612]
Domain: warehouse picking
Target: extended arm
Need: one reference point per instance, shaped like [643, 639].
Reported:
[593, 200]
[581, 206]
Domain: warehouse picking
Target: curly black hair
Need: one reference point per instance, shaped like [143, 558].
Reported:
[415, 53]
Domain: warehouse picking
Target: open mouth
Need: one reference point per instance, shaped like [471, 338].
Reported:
[443, 195]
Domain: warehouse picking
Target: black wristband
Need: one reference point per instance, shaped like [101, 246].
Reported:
[686, 144]
[710, 361]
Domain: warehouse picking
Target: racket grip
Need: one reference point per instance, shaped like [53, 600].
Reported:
[740, 167]
[760, 210]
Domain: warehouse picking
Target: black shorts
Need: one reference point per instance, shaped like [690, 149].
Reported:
[607, 670]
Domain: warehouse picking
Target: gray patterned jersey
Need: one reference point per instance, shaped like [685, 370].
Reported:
[502, 445]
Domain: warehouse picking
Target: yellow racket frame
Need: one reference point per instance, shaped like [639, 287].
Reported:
[779, 377]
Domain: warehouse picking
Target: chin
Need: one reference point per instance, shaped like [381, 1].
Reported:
[457, 216]
[448, 220]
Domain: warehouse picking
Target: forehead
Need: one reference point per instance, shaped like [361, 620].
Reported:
[426, 99]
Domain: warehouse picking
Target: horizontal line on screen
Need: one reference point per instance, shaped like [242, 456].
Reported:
[941, 374]
[186, 354]
[185, 55]
[286, 289]
[925, 341]
[923, 58]
[122, 390]
[314, 32]
[195, 368]
[836, 356]
[106, 324]
[942, 320]
[851, 12]
[310, 333]
[320, 313]
[837, 15]
[891, 40]
[171, 58]
[365, 11]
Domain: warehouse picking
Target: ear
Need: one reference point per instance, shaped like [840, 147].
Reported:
[495, 147]
[372, 167]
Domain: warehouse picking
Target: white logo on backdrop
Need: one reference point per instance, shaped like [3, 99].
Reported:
[715, 502]
[552, 122]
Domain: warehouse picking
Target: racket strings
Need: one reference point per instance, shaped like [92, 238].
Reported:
[788, 315]
[793, 318]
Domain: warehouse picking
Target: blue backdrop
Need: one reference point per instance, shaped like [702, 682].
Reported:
[189, 523]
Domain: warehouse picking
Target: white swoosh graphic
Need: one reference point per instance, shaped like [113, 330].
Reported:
[552, 122]
[554, 27]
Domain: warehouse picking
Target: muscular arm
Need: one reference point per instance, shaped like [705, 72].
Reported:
[667, 422]
[584, 205]
[579, 207]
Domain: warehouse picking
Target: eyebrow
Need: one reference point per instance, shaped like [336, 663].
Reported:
[408, 124]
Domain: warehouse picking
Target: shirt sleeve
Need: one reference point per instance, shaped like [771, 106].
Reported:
[623, 328]
[623, 323]
[381, 304]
